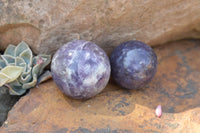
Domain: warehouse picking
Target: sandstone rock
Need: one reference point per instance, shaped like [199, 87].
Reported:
[176, 87]
[15, 33]
[46, 25]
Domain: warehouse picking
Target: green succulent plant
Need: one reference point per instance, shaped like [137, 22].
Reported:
[20, 70]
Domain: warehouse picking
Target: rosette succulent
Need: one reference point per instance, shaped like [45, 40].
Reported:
[20, 70]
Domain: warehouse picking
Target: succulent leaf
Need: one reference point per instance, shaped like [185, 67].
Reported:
[12, 64]
[36, 69]
[44, 77]
[46, 60]
[2, 64]
[10, 50]
[19, 61]
[3, 79]
[8, 59]
[16, 90]
[13, 72]
[27, 56]
[16, 83]
[30, 84]
[20, 70]
[24, 66]
[42, 61]
[26, 79]
[20, 48]
[26, 71]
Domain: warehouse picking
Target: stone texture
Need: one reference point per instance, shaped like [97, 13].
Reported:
[133, 64]
[81, 69]
[48, 24]
[6, 103]
[176, 87]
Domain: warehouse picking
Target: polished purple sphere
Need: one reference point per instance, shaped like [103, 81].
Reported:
[81, 69]
[133, 64]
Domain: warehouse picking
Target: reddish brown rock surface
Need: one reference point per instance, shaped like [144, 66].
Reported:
[47, 24]
[176, 87]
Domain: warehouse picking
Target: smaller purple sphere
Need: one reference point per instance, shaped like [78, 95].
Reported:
[133, 64]
[81, 69]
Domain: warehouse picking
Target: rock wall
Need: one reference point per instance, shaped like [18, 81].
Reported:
[47, 24]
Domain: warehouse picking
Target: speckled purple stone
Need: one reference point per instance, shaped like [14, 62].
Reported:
[81, 69]
[133, 64]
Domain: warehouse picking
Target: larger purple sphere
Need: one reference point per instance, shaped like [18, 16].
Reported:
[133, 64]
[81, 69]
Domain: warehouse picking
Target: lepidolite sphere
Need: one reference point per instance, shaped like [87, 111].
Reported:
[133, 64]
[81, 69]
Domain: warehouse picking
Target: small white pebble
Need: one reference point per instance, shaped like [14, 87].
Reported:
[159, 111]
[89, 105]
[6, 122]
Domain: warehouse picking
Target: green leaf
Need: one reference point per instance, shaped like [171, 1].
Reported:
[16, 83]
[27, 56]
[13, 72]
[27, 72]
[3, 79]
[20, 48]
[2, 64]
[16, 90]
[19, 61]
[30, 84]
[44, 77]
[25, 79]
[8, 59]
[10, 50]
[24, 66]
[36, 69]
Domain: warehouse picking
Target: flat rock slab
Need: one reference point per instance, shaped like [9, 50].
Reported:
[176, 87]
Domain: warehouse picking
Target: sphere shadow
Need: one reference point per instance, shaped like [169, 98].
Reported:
[112, 101]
